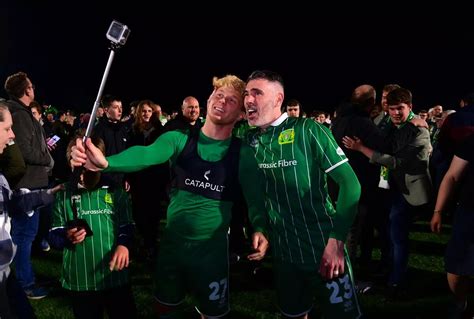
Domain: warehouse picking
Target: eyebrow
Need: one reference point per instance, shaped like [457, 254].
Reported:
[255, 90]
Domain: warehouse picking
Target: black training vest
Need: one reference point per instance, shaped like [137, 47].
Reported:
[214, 180]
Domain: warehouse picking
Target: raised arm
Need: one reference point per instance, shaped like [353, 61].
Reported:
[418, 147]
[131, 160]
[356, 144]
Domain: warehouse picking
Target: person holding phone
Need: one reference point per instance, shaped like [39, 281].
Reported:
[45, 212]
[95, 268]
[51, 141]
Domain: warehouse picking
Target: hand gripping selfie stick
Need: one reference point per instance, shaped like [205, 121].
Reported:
[117, 34]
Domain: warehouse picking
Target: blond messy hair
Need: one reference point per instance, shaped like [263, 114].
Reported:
[229, 81]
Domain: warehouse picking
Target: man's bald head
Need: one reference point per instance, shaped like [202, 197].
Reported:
[190, 109]
[364, 96]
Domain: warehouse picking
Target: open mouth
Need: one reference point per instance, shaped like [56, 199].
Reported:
[219, 109]
[251, 112]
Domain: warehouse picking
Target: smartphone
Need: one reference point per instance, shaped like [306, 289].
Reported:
[53, 140]
[80, 224]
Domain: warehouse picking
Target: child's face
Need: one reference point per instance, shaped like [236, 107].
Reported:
[90, 179]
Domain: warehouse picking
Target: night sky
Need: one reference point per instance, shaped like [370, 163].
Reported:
[170, 55]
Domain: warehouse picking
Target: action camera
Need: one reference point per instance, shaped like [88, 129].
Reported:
[118, 33]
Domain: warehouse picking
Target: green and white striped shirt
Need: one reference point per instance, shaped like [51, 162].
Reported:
[295, 154]
[86, 266]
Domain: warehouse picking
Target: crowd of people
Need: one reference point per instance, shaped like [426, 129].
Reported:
[312, 190]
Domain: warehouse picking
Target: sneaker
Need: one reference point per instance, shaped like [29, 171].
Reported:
[45, 245]
[363, 287]
[234, 258]
[35, 292]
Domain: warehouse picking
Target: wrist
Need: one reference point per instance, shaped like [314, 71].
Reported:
[436, 211]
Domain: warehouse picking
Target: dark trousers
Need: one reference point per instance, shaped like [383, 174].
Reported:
[355, 233]
[13, 301]
[117, 302]
[401, 216]
[380, 218]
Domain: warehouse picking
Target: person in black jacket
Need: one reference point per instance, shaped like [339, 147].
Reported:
[32, 143]
[353, 119]
[115, 135]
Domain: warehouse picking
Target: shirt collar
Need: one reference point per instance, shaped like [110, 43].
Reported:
[280, 119]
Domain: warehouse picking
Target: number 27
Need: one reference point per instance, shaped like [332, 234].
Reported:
[218, 289]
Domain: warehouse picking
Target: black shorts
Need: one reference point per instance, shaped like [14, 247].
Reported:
[459, 258]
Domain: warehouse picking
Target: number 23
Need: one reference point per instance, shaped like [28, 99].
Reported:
[335, 298]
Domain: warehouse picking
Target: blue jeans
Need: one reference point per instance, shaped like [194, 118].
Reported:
[400, 222]
[24, 230]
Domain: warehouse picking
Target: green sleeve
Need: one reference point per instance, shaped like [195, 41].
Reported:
[252, 183]
[347, 200]
[137, 158]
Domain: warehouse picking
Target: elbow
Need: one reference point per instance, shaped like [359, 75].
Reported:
[453, 180]
[352, 189]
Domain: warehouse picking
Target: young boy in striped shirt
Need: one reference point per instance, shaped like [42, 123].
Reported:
[95, 263]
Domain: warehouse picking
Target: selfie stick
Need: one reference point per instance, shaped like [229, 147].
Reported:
[117, 34]
[92, 118]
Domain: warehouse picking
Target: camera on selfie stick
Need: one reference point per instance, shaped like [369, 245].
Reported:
[117, 34]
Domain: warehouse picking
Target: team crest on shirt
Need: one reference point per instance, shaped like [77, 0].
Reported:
[108, 198]
[252, 140]
[286, 137]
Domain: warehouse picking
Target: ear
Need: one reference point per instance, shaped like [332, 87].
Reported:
[280, 98]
